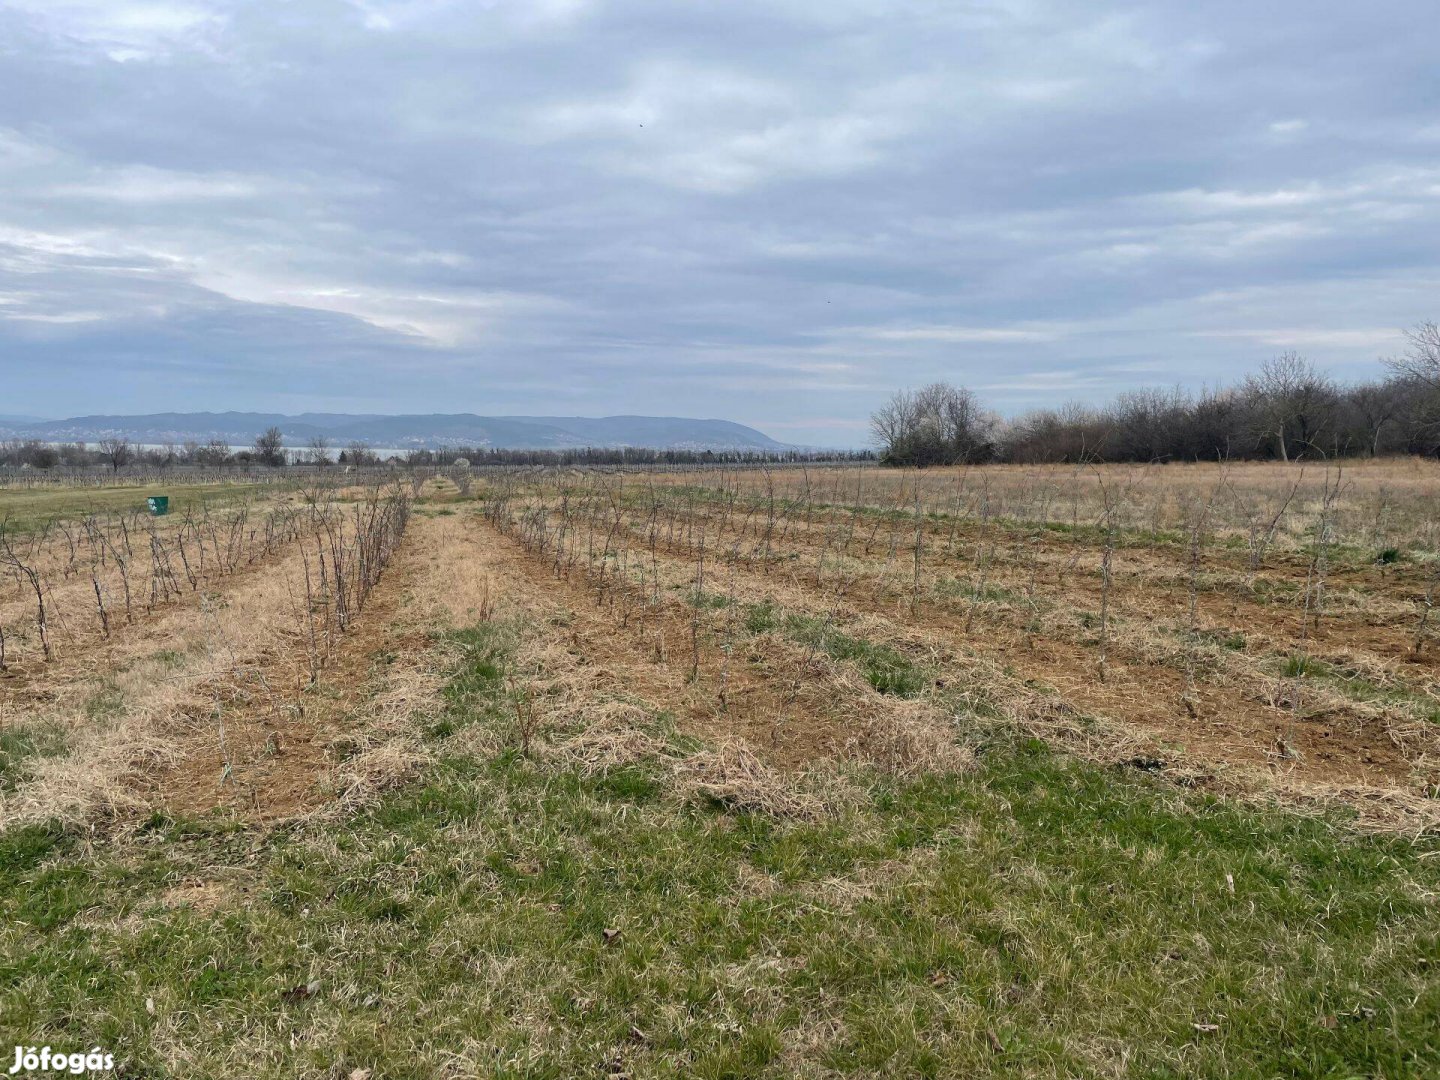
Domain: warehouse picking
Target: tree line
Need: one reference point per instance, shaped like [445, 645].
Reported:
[269, 449]
[1288, 410]
[117, 452]
[628, 455]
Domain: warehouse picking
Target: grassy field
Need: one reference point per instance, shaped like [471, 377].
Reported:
[620, 777]
[25, 509]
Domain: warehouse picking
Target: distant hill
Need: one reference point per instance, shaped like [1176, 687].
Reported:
[429, 431]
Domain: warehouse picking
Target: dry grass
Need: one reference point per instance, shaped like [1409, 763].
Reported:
[1172, 644]
[734, 777]
[589, 795]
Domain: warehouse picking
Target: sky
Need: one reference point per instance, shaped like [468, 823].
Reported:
[769, 211]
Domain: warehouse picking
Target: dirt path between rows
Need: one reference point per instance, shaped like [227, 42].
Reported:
[1220, 725]
[274, 761]
[1147, 582]
[790, 705]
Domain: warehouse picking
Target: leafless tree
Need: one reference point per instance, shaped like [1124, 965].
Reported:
[938, 424]
[1419, 372]
[1373, 405]
[1422, 359]
[318, 451]
[359, 453]
[116, 451]
[1293, 400]
[269, 447]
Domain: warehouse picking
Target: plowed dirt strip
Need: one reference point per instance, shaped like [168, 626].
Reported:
[1376, 608]
[274, 760]
[1152, 636]
[790, 704]
[1222, 725]
[208, 704]
[80, 642]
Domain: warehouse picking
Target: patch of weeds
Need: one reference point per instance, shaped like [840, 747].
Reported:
[21, 745]
[1387, 556]
[1272, 591]
[481, 667]
[955, 587]
[761, 618]
[629, 783]
[887, 669]
[1359, 687]
[1233, 640]
[477, 679]
[106, 703]
[23, 848]
[1124, 536]
[180, 827]
[708, 601]
[1300, 665]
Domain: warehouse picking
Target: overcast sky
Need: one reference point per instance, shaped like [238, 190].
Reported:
[774, 211]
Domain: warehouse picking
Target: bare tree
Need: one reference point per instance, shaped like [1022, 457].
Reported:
[116, 451]
[1374, 405]
[1418, 371]
[892, 422]
[1422, 359]
[1293, 401]
[269, 447]
[939, 424]
[359, 453]
[318, 451]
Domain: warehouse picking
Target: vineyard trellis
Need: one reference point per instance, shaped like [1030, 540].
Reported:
[127, 564]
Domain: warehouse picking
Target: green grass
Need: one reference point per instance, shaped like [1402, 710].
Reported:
[951, 587]
[19, 745]
[705, 601]
[1357, 686]
[887, 669]
[25, 509]
[1037, 917]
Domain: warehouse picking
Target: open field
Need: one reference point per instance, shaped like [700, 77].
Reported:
[830, 772]
[24, 510]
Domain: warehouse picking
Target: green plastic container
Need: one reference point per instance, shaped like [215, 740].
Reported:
[159, 505]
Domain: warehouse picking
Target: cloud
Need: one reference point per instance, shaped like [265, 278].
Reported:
[143, 184]
[1288, 127]
[124, 30]
[1377, 339]
[720, 130]
[773, 211]
[957, 334]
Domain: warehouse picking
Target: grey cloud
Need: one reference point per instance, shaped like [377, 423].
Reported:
[773, 212]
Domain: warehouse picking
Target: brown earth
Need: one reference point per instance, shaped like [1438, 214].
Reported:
[1245, 719]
